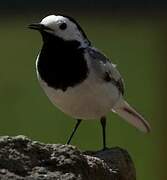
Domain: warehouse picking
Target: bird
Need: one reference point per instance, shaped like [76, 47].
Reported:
[78, 78]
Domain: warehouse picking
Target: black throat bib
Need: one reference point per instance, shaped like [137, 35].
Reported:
[61, 64]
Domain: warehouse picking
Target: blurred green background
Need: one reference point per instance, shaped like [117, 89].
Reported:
[136, 42]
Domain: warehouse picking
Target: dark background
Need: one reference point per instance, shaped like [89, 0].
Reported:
[85, 3]
[132, 33]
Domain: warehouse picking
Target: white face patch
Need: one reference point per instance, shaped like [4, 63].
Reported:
[71, 32]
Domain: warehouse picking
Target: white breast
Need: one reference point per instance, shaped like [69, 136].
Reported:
[89, 100]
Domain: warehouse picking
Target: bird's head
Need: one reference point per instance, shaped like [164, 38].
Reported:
[63, 27]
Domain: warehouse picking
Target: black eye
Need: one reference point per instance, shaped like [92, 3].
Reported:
[63, 26]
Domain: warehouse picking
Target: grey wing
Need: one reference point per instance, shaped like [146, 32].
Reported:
[105, 69]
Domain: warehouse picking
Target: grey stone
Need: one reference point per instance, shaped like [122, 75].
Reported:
[24, 159]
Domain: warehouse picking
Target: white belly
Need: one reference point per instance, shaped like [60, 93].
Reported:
[89, 100]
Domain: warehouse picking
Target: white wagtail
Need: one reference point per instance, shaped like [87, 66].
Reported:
[77, 78]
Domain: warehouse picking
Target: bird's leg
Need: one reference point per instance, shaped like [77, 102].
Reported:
[74, 130]
[103, 123]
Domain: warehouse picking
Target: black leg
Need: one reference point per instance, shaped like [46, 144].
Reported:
[103, 123]
[74, 130]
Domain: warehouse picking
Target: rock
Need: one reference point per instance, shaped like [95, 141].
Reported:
[24, 159]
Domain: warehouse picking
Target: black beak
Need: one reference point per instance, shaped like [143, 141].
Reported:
[39, 27]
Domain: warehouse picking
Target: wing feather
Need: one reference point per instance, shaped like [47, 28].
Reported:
[106, 69]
